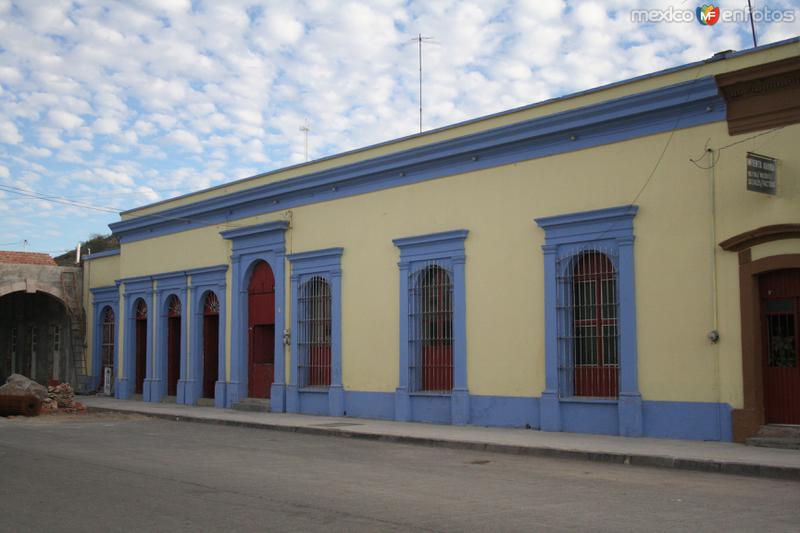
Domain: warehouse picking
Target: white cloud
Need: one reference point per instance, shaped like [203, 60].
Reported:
[10, 75]
[64, 119]
[185, 139]
[105, 126]
[9, 133]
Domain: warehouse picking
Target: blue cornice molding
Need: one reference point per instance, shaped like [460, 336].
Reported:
[445, 244]
[316, 260]
[608, 223]
[98, 255]
[207, 270]
[104, 293]
[681, 105]
[254, 230]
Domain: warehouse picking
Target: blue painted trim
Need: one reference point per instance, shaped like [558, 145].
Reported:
[98, 255]
[212, 271]
[260, 242]
[306, 265]
[166, 286]
[204, 281]
[446, 248]
[681, 105]
[256, 230]
[566, 236]
[660, 419]
[103, 297]
[134, 289]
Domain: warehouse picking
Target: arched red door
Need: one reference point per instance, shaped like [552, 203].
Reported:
[141, 344]
[261, 329]
[780, 323]
[173, 345]
[210, 344]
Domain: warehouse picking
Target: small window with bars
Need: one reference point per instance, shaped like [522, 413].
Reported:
[56, 338]
[431, 329]
[107, 344]
[588, 333]
[314, 341]
[33, 338]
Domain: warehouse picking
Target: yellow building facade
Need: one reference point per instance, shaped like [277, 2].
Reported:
[575, 265]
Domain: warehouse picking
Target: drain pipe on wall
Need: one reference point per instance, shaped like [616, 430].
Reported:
[713, 335]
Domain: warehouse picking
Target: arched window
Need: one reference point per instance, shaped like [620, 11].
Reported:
[211, 305]
[107, 342]
[431, 336]
[314, 342]
[174, 307]
[594, 309]
[141, 310]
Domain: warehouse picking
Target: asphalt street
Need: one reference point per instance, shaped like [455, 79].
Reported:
[108, 472]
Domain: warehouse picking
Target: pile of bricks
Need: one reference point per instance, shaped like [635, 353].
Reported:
[61, 397]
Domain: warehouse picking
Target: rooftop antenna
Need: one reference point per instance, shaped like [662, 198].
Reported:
[305, 128]
[419, 39]
[752, 24]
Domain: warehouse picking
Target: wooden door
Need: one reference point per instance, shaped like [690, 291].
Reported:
[141, 353]
[261, 328]
[780, 323]
[173, 354]
[210, 353]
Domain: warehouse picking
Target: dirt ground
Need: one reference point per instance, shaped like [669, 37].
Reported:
[65, 417]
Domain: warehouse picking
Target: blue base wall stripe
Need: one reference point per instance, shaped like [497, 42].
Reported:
[688, 420]
[673, 420]
[504, 411]
[598, 418]
[369, 404]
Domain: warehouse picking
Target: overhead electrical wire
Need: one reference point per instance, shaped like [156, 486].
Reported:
[73, 203]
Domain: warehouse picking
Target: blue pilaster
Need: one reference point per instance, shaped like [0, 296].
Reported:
[550, 406]
[402, 401]
[292, 393]
[336, 389]
[630, 400]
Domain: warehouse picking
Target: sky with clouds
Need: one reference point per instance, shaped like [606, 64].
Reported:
[105, 106]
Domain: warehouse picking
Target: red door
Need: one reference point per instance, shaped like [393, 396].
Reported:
[210, 344]
[173, 345]
[173, 354]
[780, 323]
[141, 345]
[261, 323]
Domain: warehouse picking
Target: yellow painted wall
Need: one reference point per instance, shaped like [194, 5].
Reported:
[686, 285]
[674, 252]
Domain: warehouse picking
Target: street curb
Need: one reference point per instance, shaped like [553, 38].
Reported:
[656, 461]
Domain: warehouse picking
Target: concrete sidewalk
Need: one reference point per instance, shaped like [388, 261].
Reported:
[719, 457]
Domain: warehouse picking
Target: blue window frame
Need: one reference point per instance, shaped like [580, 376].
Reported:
[316, 340]
[204, 282]
[104, 299]
[433, 333]
[590, 317]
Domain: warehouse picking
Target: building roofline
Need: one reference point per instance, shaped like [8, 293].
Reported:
[716, 57]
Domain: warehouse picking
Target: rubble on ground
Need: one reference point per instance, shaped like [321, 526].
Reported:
[62, 399]
[19, 385]
[59, 398]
